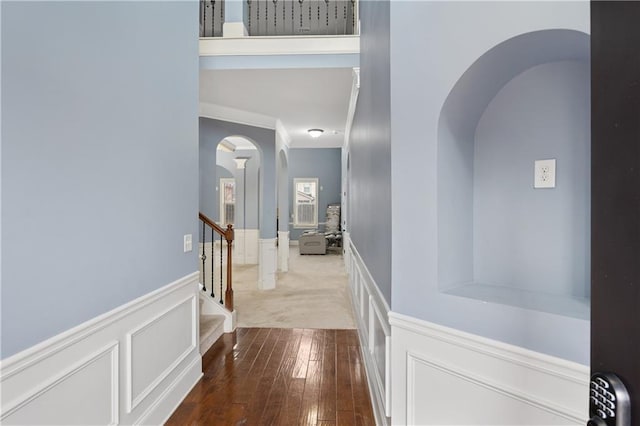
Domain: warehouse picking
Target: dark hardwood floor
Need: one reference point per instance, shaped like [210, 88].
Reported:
[270, 376]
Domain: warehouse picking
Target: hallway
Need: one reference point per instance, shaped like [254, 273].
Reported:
[314, 293]
[280, 377]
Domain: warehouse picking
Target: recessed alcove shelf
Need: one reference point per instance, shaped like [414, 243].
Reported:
[500, 240]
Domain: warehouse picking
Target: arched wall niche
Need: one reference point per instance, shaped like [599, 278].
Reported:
[499, 239]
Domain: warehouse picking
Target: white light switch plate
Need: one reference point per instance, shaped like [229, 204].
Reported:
[188, 243]
[544, 175]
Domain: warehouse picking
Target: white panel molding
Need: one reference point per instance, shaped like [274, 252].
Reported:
[45, 383]
[245, 247]
[111, 350]
[234, 115]
[509, 376]
[134, 401]
[283, 251]
[267, 264]
[162, 408]
[20, 361]
[280, 45]
[371, 314]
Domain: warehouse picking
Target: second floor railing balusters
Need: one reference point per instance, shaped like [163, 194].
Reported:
[284, 17]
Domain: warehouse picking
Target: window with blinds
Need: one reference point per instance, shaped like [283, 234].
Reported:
[227, 201]
[305, 196]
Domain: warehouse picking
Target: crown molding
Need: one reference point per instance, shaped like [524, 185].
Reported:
[234, 115]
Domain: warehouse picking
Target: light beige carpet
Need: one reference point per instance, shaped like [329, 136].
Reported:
[312, 294]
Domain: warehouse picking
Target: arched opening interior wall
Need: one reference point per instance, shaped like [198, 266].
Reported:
[247, 183]
[499, 239]
[211, 133]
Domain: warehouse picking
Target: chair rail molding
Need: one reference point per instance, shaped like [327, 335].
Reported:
[499, 383]
[371, 312]
[106, 370]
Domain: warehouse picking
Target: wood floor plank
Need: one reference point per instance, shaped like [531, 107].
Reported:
[327, 405]
[280, 377]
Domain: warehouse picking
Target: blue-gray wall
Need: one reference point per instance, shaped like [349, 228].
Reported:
[370, 148]
[321, 163]
[535, 239]
[99, 158]
[211, 133]
[446, 38]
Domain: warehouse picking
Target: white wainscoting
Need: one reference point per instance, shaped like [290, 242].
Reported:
[444, 376]
[283, 251]
[245, 246]
[132, 365]
[268, 264]
[375, 333]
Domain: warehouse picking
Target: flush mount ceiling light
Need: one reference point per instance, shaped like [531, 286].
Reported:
[315, 133]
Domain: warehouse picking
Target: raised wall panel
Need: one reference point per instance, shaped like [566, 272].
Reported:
[87, 393]
[157, 347]
[375, 334]
[437, 370]
[132, 365]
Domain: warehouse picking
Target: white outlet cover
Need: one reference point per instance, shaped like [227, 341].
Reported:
[188, 243]
[544, 175]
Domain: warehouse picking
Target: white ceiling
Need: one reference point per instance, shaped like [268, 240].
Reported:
[301, 99]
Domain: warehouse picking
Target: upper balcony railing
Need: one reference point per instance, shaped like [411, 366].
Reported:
[283, 17]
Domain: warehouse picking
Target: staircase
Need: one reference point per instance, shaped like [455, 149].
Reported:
[211, 329]
[217, 316]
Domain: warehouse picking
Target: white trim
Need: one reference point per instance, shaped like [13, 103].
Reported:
[245, 247]
[22, 360]
[234, 115]
[280, 45]
[353, 102]
[62, 368]
[133, 402]
[316, 182]
[162, 408]
[234, 29]
[110, 349]
[543, 363]
[473, 368]
[283, 251]
[267, 264]
[365, 293]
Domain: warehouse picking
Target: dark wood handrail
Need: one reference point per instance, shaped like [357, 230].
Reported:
[228, 234]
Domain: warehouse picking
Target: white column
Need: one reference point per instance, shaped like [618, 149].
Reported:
[234, 19]
[283, 251]
[267, 264]
[346, 251]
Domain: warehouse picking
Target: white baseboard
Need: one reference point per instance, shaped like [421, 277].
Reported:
[132, 365]
[438, 370]
[371, 311]
[283, 251]
[267, 264]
